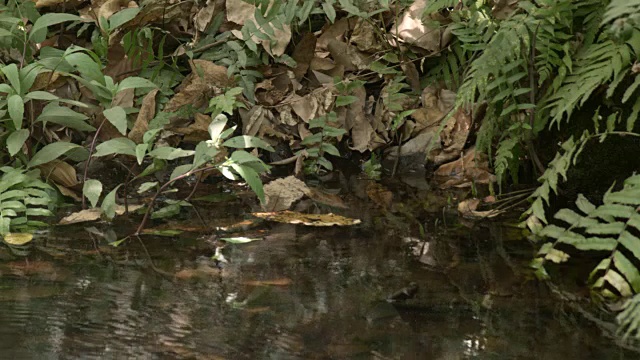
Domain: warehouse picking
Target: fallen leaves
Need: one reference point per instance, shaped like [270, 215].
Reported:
[93, 214]
[292, 217]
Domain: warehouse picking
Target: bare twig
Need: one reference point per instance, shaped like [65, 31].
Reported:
[88, 162]
[162, 188]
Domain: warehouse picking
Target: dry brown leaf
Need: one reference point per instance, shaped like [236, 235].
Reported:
[207, 13]
[272, 282]
[468, 209]
[292, 217]
[322, 197]
[280, 194]
[68, 192]
[303, 54]
[198, 131]
[200, 85]
[60, 173]
[240, 12]
[92, 214]
[335, 31]
[380, 195]
[465, 171]
[348, 56]
[364, 36]
[414, 31]
[147, 112]
[46, 81]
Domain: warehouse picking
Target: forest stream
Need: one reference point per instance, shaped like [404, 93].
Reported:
[359, 292]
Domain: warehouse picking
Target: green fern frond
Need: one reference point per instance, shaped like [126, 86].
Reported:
[621, 9]
[614, 227]
[450, 66]
[629, 319]
[596, 65]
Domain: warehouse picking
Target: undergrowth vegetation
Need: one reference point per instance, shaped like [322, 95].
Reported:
[531, 84]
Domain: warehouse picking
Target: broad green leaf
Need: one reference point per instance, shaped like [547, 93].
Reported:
[345, 100]
[38, 32]
[120, 146]
[169, 153]
[141, 151]
[118, 117]
[330, 149]
[144, 187]
[41, 95]
[180, 170]
[134, 83]
[16, 110]
[329, 11]
[252, 178]
[65, 116]
[246, 141]
[109, 204]
[12, 74]
[51, 152]
[121, 17]
[92, 189]
[16, 140]
[166, 211]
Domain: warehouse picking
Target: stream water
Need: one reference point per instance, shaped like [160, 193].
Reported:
[300, 293]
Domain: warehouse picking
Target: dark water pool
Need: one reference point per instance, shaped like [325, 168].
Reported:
[298, 294]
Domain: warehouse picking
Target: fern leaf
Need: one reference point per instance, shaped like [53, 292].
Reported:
[613, 227]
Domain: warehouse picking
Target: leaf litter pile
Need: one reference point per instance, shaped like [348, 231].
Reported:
[363, 69]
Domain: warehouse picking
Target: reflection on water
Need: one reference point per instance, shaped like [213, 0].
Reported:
[300, 293]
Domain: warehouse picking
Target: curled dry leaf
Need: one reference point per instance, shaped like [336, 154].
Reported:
[60, 173]
[292, 217]
[201, 85]
[412, 30]
[471, 168]
[146, 114]
[468, 209]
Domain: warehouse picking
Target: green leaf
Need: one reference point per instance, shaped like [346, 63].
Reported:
[141, 151]
[329, 11]
[252, 178]
[144, 187]
[12, 74]
[120, 146]
[330, 149]
[41, 95]
[38, 34]
[109, 204]
[135, 83]
[345, 100]
[51, 152]
[16, 110]
[16, 140]
[180, 170]
[92, 189]
[246, 141]
[118, 117]
[118, 19]
[170, 153]
[65, 116]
